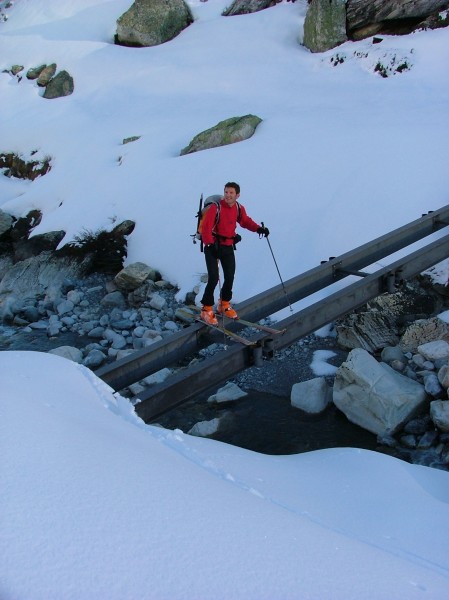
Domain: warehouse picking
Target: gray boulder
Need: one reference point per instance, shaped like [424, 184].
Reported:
[367, 17]
[325, 25]
[134, 275]
[244, 7]
[230, 131]
[152, 22]
[59, 86]
[69, 352]
[423, 331]
[371, 331]
[311, 396]
[374, 396]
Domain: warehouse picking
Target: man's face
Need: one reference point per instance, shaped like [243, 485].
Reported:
[230, 196]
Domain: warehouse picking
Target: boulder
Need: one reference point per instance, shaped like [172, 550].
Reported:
[366, 18]
[371, 331]
[439, 349]
[152, 22]
[134, 275]
[423, 331]
[311, 396]
[34, 72]
[374, 396]
[69, 352]
[244, 7]
[59, 86]
[229, 131]
[46, 74]
[325, 25]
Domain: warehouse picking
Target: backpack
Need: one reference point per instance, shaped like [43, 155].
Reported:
[215, 199]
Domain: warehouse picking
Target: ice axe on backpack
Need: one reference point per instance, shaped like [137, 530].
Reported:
[196, 236]
[277, 268]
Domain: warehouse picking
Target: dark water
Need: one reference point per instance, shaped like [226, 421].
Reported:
[269, 424]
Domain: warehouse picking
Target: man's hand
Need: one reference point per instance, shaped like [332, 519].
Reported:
[263, 231]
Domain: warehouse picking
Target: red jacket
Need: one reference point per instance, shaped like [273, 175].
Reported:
[226, 224]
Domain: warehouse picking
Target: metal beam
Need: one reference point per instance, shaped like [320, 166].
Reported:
[211, 372]
[171, 350]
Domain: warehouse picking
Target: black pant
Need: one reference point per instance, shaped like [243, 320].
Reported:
[224, 254]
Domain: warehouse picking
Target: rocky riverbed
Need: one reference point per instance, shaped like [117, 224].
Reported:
[99, 318]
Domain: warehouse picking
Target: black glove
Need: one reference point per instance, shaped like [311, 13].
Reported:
[263, 231]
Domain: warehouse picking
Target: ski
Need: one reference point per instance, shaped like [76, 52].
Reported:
[259, 326]
[271, 330]
[231, 334]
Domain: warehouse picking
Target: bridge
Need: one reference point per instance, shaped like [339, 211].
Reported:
[357, 287]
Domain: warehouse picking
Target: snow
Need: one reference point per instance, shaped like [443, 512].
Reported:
[96, 504]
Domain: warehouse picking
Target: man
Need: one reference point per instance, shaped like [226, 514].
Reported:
[219, 239]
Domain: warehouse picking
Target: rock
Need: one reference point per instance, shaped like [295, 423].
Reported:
[34, 72]
[419, 425]
[439, 413]
[325, 25]
[64, 307]
[443, 376]
[204, 428]
[244, 7]
[134, 275]
[427, 440]
[46, 74]
[432, 385]
[68, 352]
[423, 331]
[371, 331]
[33, 246]
[59, 86]
[152, 22]
[114, 299]
[230, 131]
[6, 222]
[377, 15]
[434, 350]
[94, 359]
[157, 302]
[311, 396]
[374, 396]
[228, 393]
[393, 353]
[42, 274]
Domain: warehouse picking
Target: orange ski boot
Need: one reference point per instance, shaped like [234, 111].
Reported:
[207, 315]
[225, 308]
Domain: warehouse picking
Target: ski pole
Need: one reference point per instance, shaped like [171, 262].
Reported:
[277, 268]
[222, 314]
